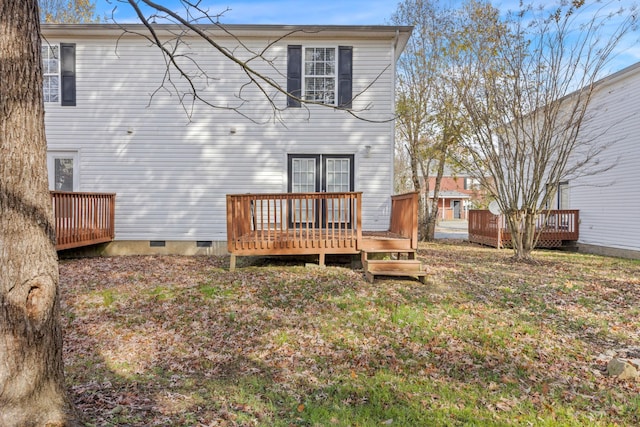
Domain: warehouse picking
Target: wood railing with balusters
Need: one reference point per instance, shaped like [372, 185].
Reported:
[83, 219]
[554, 226]
[294, 223]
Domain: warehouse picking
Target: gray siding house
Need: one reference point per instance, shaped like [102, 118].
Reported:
[609, 202]
[117, 122]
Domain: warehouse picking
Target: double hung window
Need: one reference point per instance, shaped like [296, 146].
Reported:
[320, 74]
[51, 72]
[59, 73]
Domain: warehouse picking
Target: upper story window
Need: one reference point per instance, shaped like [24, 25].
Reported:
[59, 73]
[320, 74]
[51, 72]
[471, 184]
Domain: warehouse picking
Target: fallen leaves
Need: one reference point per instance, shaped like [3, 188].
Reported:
[182, 341]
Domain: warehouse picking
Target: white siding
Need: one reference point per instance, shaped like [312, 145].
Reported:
[171, 174]
[609, 202]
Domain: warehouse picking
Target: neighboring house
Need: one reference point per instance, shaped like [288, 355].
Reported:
[609, 202]
[457, 195]
[111, 127]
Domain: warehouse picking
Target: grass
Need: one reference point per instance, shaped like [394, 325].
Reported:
[181, 341]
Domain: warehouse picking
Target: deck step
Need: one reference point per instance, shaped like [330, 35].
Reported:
[389, 245]
[403, 268]
[387, 251]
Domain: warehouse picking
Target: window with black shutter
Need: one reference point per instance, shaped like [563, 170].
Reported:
[320, 74]
[59, 73]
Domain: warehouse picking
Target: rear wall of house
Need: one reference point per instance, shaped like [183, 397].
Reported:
[171, 162]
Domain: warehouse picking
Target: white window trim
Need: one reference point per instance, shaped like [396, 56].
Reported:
[57, 73]
[335, 70]
[67, 154]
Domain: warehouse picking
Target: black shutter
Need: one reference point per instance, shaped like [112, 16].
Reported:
[294, 74]
[68, 73]
[345, 76]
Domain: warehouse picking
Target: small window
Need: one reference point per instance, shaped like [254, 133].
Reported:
[51, 73]
[320, 74]
[471, 184]
[63, 170]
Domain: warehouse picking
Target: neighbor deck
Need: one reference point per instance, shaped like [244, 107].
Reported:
[555, 227]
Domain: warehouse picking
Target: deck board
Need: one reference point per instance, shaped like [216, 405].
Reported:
[317, 241]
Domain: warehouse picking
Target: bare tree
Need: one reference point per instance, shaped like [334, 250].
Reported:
[429, 120]
[32, 391]
[526, 112]
[402, 182]
[67, 11]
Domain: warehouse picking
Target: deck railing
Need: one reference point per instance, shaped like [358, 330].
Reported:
[554, 226]
[83, 219]
[293, 223]
[404, 217]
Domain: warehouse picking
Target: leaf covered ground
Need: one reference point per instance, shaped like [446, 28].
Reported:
[181, 341]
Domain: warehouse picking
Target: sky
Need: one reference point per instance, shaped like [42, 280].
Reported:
[331, 12]
[322, 12]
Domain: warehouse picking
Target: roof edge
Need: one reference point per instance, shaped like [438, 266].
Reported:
[231, 28]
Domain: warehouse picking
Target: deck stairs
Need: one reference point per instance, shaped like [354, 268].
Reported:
[390, 257]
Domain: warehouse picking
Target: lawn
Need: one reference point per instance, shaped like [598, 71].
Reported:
[181, 341]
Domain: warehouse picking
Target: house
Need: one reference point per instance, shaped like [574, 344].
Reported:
[458, 193]
[609, 201]
[118, 121]
[595, 209]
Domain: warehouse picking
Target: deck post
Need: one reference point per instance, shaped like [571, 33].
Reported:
[232, 263]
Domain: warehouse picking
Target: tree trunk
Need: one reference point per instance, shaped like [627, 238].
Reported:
[423, 214]
[423, 207]
[32, 389]
[522, 226]
[432, 219]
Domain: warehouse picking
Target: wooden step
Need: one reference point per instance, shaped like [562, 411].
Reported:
[401, 268]
[388, 245]
[387, 251]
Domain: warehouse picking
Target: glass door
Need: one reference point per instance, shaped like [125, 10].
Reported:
[310, 173]
[304, 178]
[338, 179]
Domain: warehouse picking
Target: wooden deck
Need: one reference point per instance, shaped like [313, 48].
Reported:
[320, 224]
[556, 228]
[83, 219]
